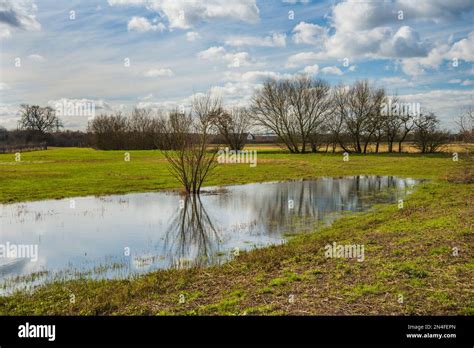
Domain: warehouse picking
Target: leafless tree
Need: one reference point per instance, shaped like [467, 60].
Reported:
[358, 108]
[427, 136]
[109, 131]
[407, 125]
[233, 125]
[191, 159]
[465, 123]
[293, 109]
[37, 118]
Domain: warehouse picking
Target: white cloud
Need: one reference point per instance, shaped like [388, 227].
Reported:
[308, 33]
[463, 49]
[141, 24]
[301, 58]
[220, 54]
[4, 86]
[274, 40]
[395, 82]
[192, 36]
[355, 15]
[460, 50]
[446, 103]
[17, 14]
[185, 14]
[296, 1]
[159, 72]
[256, 76]
[332, 70]
[36, 57]
[311, 69]
[466, 82]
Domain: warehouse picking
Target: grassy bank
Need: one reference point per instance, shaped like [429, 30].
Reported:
[410, 265]
[60, 173]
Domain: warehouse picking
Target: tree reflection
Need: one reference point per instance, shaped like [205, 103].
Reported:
[191, 238]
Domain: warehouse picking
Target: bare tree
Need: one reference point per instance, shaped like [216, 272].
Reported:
[37, 118]
[465, 123]
[188, 136]
[391, 124]
[293, 109]
[233, 125]
[407, 125]
[3, 134]
[109, 131]
[428, 137]
[358, 108]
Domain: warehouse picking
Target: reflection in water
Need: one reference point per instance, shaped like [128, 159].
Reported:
[119, 236]
[191, 237]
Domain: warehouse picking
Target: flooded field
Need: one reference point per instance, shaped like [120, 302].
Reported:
[124, 235]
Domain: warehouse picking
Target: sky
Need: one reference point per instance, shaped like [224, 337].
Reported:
[120, 54]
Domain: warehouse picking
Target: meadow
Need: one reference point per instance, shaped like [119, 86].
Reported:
[419, 259]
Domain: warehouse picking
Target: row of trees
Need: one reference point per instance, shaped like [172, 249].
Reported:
[305, 114]
[303, 111]
[140, 130]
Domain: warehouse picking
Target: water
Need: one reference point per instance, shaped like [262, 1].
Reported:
[124, 235]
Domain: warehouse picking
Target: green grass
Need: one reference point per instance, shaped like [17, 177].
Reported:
[59, 173]
[408, 252]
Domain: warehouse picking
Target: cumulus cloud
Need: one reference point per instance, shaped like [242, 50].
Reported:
[17, 14]
[159, 72]
[308, 33]
[273, 40]
[192, 36]
[460, 50]
[185, 14]
[332, 70]
[311, 69]
[301, 58]
[219, 54]
[374, 29]
[141, 24]
[463, 49]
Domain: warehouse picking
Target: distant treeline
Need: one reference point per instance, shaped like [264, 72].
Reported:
[24, 138]
[304, 114]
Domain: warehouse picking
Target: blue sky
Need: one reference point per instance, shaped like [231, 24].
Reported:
[177, 48]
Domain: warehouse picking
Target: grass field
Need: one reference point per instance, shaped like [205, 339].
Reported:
[410, 266]
[59, 173]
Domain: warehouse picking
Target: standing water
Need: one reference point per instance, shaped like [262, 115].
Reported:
[124, 235]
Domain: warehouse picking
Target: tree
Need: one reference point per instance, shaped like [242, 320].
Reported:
[392, 123]
[188, 136]
[407, 125]
[3, 134]
[359, 109]
[465, 123]
[293, 109]
[428, 137]
[39, 119]
[109, 131]
[233, 125]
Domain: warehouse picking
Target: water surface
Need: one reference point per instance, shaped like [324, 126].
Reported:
[123, 235]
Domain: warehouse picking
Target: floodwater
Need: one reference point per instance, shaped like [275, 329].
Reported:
[124, 235]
